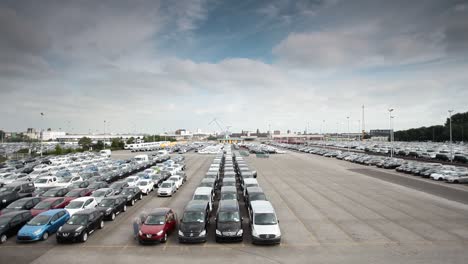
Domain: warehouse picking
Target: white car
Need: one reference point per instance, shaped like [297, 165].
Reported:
[102, 193]
[204, 194]
[132, 181]
[146, 186]
[46, 181]
[167, 188]
[264, 223]
[67, 181]
[81, 203]
[178, 180]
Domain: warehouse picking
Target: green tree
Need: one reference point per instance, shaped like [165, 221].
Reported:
[131, 140]
[211, 137]
[99, 145]
[117, 144]
[85, 143]
[58, 150]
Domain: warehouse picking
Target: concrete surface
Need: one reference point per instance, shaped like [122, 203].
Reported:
[328, 212]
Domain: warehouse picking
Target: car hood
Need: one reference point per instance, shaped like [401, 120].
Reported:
[229, 226]
[164, 189]
[8, 210]
[69, 228]
[192, 227]
[151, 229]
[100, 208]
[267, 229]
[72, 211]
[35, 212]
[29, 230]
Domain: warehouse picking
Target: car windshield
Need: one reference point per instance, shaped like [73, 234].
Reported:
[106, 203]
[131, 179]
[74, 205]
[17, 204]
[193, 217]
[265, 219]
[50, 193]
[143, 183]
[257, 197]
[65, 179]
[43, 205]
[39, 220]
[73, 193]
[41, 181]
[228, 217]
[99, 193]
[251, 185]
[4, 221]
[7, 189]
[228, 196]
[166, 185]
[78, 219]
[155, 220]
[229, 183]
[202, 197]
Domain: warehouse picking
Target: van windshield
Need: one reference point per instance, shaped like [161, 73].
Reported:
[257, 197]
[228, 217]
[265, 219]
[228, 196]
[201, 197]
[193, 217]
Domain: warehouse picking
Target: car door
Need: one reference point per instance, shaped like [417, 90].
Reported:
[15, 224]
[91, 226]
[54, 223]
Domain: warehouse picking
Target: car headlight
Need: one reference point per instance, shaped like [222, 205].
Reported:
[254, 233]
[180, 233]
[218, 232]
[3, 201]
[160, 233]
[60, 229]
[202, 233]
[240, 232]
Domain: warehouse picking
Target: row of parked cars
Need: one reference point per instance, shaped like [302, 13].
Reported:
[434, 171]
[37, 214]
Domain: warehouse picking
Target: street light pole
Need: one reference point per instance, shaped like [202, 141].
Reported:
[348, 135]
[451, 146]
[391, 131]
[42, 134]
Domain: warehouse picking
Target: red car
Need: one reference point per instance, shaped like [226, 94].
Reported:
[48, 204]
[77, 193]
[156, 225]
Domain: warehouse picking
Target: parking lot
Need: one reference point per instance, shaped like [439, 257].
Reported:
[329, 212]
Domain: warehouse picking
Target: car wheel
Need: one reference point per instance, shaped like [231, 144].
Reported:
[84, 237]
[113, 216]
[141, 197]
[3, 239]
[164, 239]
[45, 236]
[132, 202]
[101, 225]
[124, 208]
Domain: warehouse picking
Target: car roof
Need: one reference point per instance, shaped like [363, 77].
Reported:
[228, 189]
[254, 189]
[103, 189]
[53, 199]
[82, 199]
[52, 212]
[250, 180]
[13, 213]
[159, 211]
[229, 179]
[228, 205]
[262, 207]
[86, 211]
[203, 190]
[196, 205]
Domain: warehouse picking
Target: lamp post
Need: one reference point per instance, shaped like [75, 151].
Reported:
[348, 135]
[42, 133]
[391, 131]
[451, 146]
[359, 127]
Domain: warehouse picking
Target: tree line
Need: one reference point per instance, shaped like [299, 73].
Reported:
[438, 133]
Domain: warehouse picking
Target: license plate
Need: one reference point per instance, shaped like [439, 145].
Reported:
[191, 234]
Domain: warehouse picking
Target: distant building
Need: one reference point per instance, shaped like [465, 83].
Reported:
[276, 132]
[52, 135]
[380, 132]
[180, 131]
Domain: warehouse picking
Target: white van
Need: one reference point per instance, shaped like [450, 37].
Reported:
[141, 158]
[163, 152]
[264, 223]
[105, 153]
[204, 194]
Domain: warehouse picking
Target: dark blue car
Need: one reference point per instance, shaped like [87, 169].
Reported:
[44, 224]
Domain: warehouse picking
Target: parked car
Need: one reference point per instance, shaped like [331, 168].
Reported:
[118, 186]
[80, 204]
[12, 222]
[97, 185]
[22, 204]
[56, 192]
[229, 221]
[80, 226]
[178, 180]
[264, 223]
[112, 206]
[204, 194]
[228, 193]
[193, 225]
[131, 194]
[167, 188]
[157, 225]
[146, 186]
[132, 180]
[46, 181]
[77, 193]
[43, 225]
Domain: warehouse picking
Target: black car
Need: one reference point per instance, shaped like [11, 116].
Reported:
[131, 194]
[22, 204]
[229, 221]
[7, 197]
[97, 185]
[12, 222]
[111, 206]
[40, 190]
[79, 185]
[80, 226]
[194, 222]
[56, 192]
[118, 186]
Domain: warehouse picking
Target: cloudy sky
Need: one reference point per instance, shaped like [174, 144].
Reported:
[161, 65]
